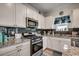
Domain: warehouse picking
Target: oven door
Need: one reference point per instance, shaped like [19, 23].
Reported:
[36, 47]
[77, 43]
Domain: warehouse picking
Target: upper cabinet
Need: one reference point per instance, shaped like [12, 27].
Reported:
[49, 22]
[12, 15]
[32, 13]
[36, 16]
[29, 12]
[75, 19]
[20, 15]
[7, 14]
[41, 22]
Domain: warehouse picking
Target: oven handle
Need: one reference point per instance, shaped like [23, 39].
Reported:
[37, 42]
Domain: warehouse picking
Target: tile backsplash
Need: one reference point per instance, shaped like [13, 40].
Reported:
[9, 30]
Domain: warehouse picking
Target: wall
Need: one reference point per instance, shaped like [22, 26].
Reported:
[55, 13]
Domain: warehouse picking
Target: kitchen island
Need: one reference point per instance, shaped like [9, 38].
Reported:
[60, 44]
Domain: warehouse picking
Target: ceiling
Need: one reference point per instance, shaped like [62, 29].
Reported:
[47, 7]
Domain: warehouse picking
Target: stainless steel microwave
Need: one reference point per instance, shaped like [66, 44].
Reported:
[31, 22]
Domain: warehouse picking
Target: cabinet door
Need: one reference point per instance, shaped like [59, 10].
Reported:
[20, 15]
[12, 53]
[35, 15]
[75, 21]
[25, 49]
[49, 23]
[29, 13]
[41, 22]
[9, 51]
[64, 42]
[49, 42]
[45, 43]
[7, 14]
[55, 44]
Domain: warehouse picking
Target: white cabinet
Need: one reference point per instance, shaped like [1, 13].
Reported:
[49, 42]
[32, 13]
[20, 15]
[22, 49]
[75, 18]
[12, 53]
[7, 14]
[9, 51]
[25, 49]
[41, 22]
[45, 42]
[12, 15]
[56, 43]
[35, 15]
[49, 22]
[64, 42]
[29, 12]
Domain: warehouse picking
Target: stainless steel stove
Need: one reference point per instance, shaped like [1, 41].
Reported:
[36, 43]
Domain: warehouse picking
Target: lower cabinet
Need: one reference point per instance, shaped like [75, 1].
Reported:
[9, 51]
[20, 15]
[45, 42]
[22, 49]
[12, 53]
[57, 44]
[25, 50]
[49, 42]
[65, 43]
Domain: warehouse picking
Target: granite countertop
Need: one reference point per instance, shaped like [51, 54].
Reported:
[74, 51]
[67, 37]
[15, 43]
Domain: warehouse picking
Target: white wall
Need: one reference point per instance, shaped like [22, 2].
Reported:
[66, 8]
[55, 13]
